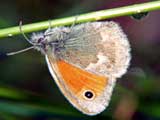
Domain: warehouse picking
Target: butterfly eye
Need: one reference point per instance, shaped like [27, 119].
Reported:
[40, 40]
[89, 95]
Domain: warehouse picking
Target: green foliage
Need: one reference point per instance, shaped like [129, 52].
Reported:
[26, 87]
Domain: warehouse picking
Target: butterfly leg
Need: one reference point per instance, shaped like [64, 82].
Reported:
[73, 24]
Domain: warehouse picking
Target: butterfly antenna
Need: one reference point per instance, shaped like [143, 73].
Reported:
[5, 55]
[20, 51]
[20, 28]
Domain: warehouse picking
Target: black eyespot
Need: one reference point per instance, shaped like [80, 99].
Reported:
[88, 94]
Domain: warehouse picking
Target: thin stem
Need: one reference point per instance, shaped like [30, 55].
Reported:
[93, 16]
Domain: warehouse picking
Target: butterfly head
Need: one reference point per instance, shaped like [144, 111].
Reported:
[39, 40]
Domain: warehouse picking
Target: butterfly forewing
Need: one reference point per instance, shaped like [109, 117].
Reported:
[98, 47]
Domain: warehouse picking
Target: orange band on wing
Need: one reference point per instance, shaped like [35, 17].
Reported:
[78, 79]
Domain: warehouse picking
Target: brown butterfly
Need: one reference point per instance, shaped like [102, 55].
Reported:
[85, 60]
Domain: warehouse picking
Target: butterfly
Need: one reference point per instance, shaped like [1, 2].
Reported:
[85, 61]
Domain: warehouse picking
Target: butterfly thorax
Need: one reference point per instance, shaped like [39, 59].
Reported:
[52, 40]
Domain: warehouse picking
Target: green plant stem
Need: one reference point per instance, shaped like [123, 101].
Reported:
[93, 16]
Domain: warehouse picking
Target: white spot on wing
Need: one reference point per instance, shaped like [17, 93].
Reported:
[93, 66]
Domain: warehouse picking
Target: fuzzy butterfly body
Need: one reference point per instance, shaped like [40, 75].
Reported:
[85, 61]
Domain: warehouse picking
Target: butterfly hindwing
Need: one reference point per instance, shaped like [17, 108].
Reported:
[75, 83]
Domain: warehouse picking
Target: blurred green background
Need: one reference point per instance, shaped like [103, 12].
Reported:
[27, 91]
